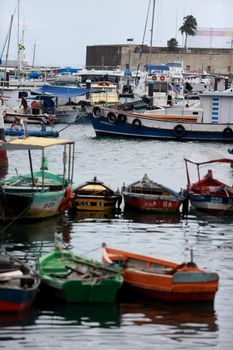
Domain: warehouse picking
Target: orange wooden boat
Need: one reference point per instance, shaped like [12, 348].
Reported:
[163, 279]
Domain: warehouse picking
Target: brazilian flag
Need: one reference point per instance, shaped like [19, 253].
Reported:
[21, 47]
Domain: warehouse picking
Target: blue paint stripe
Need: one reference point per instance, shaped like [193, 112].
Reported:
[215, 109]
[215, 104]
[215, 98]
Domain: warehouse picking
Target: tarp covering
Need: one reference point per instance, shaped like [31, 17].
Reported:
[34, 143]
[207, 157]
[156, 67]
[67, 70]
[61, 91]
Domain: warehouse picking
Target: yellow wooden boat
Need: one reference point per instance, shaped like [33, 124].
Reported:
[95, 196]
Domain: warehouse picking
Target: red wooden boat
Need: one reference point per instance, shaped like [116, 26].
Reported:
[209, 194]
[163, 279]
[148, 195]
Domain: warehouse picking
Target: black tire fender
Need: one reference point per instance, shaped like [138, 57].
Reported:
[137, 123]
[96, 112]
[122, 118]
[227, 132]
[179, 131]
[112, 117]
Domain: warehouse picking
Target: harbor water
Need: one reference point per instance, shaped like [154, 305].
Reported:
[135, 323]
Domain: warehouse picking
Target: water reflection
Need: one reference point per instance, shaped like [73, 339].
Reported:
[94, 315]
[152, 218]
[198, 316]
[86, 215]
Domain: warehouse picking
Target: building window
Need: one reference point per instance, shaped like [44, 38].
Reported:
[229, 69]
[208, 69]
[188, 67]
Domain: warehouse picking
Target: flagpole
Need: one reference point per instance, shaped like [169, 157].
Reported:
[18, 50]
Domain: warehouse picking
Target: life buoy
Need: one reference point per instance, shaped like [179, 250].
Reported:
[154, 77]
[162, 77]
[179, 131]
[122, 118]
[96, 112]
[35, 105]
[66, 202]
[227, 132]
[137, 123]
[112, 117]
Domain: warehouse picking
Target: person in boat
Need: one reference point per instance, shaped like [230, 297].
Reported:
[24, 104]
[17, 122]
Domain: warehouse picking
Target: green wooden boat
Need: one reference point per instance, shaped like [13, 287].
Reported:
[38, 194]
[76, 279]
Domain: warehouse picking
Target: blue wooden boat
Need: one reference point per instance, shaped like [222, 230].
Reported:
[213, 123]
[18, 284]
[31, 132]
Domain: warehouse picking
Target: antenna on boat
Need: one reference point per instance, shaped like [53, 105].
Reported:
[191, 255]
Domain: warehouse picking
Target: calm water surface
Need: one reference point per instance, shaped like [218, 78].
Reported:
[135, 323]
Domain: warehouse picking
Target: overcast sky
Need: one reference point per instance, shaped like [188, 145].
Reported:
[62, 29]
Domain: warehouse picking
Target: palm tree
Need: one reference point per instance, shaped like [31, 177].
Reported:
[172, 44]
[188, 28]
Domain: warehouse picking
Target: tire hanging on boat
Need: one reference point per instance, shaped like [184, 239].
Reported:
[137, 123]
[112, 117]
[96, 112]
[122, 118]
[179, 131]
[227, 132]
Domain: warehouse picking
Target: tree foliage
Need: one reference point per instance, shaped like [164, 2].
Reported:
[188, 28]
[172, 44]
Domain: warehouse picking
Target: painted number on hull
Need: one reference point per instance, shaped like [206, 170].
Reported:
[216, 200]
[164, 204]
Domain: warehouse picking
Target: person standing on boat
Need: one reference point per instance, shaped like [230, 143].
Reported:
[24, 104]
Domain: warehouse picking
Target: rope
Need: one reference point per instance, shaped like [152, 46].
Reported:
[16, 218]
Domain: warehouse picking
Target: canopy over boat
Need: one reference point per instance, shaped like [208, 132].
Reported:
[34, 143]
[61, 91]
[208, 157]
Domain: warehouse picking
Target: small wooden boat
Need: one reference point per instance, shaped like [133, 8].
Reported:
[18, 284]
[78, 280]
[163, 279]
[95, 196]
[209, 194]
[151, 196]
[38, 194]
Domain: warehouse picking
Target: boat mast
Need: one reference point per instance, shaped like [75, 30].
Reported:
[7, 51]
[34, 54]
[152, 30]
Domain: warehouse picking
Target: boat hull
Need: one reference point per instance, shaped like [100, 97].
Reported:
[12, 300]
[99, 204]
[37, 133]
[163, 130]
[212, 204]
[144, 203]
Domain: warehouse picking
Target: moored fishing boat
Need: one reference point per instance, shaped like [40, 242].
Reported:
[39, 194]
[76, 279]
[163, 279]
[95, 196]
[18, 284]
[213, 123]
[148, 195]
[209, 194]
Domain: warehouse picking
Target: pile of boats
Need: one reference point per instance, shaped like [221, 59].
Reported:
[42, 193]
[71, 278]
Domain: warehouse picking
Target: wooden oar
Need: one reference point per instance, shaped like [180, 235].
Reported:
[89, 263]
